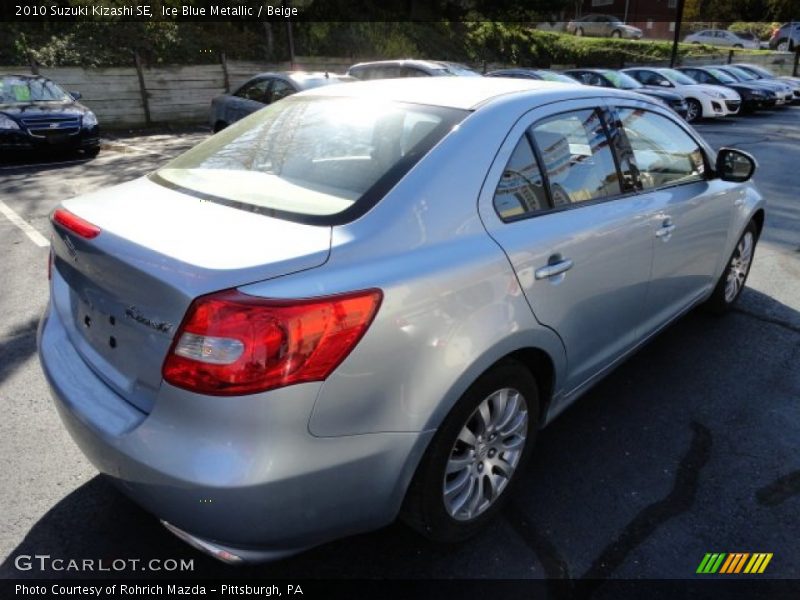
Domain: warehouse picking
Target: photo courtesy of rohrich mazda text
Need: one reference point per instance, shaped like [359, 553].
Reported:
[318, 303]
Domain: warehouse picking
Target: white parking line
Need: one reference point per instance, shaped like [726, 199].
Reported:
[36, 237]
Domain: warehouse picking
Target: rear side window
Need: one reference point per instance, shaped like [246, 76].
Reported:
[311, 159]
[255, 90]
[521, 189]
[576, 157]
[664, 153]
[279, 90]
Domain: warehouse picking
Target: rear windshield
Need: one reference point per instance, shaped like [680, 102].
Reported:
[21, 90]
[312, 159]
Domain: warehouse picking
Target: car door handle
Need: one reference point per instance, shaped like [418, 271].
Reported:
[551, 270]
[665, 231]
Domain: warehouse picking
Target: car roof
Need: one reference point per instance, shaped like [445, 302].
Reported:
[299, 75]
[406, 62]
[467, 93]
[518, 71]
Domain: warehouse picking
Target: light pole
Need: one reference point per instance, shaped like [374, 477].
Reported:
[676, 39]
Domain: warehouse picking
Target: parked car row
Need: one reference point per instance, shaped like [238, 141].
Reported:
[35, 113]
[692, 92]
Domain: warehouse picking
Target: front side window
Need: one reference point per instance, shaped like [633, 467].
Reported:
[521, 189]
[309, 158]
[576, 157]
[664, 153]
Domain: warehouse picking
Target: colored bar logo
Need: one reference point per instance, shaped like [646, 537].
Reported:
[734, 563]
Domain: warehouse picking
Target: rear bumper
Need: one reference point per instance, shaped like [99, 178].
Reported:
[242, 474]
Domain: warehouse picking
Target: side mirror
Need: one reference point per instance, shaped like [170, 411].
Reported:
[735, 165]
[76, 95]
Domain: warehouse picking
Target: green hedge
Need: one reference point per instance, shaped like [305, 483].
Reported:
[87, 44]
[524, 46]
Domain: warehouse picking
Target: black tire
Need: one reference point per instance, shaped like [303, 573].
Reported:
[424, 508]
[91, 152]
[721, 301]
[693, 106]
[616, 34]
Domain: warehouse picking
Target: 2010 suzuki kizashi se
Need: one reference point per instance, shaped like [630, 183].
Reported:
[363, 301]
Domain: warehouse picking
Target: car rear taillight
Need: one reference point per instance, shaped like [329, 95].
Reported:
[231, 343]
[75, 224]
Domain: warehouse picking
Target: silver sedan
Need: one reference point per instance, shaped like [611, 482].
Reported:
[364, 301]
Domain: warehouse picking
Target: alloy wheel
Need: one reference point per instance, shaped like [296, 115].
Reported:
[693, 110]
[739, 267]
[486, 454]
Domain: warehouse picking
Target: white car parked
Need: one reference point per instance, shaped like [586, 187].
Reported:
[721, 37]
[702, 100]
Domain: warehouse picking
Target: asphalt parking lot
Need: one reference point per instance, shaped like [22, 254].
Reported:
[690, 447]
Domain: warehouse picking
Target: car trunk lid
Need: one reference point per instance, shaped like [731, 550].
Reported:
[123, 294]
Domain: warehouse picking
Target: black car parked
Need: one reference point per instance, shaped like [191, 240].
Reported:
[36, 114]
[763, 74]
[782, 89]
[615, 79]
[753, 96]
